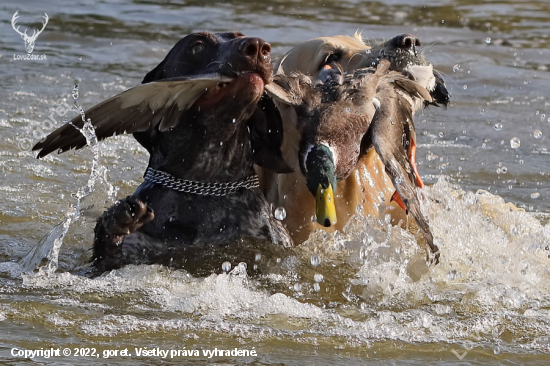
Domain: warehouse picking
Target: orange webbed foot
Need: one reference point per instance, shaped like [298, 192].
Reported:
[412, 157]
[397, 198]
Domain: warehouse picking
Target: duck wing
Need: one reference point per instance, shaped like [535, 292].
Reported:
[159, 104]
[392, 134]
[294, 89]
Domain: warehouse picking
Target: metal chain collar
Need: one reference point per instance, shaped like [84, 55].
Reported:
[201, 188]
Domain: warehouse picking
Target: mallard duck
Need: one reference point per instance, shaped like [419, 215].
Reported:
[367, 184]
[333, 112]
[339, 115]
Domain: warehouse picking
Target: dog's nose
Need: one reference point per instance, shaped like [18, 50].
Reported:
[406, 41]
[255, 47]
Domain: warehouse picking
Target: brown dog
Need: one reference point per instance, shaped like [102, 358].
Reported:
[201, 116]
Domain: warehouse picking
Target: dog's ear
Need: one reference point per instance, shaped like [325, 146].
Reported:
[440, 94]
[266, 137]
[171, 66]
[155, 74]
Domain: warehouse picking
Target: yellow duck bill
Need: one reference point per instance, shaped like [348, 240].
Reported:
[325, 208]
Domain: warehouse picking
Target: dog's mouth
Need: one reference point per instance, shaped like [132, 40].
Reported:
[244, 84]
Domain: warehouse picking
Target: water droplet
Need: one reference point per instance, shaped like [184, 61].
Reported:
[280, 213]
[441, 134]
[314, 218]
[535, 195]
[443, 21]
[234, 120]
[318, 277]
[347, 110]
[515, 143]
[456, 68]
[488, 40]
[316, 287]
[315, 260]
[465, 87]
[431, 156]
[278, 260]
[387, 218]
[258, 257]
[537, 134]
[297, 287]
[498, 126]
[452, 275]
[75, 93]
[226, 266]
[481, 110]
[221, 143]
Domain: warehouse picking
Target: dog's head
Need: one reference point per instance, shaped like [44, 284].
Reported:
[311, 56]
[351, 53]
[246, 60]
[230, 54]
[212, 81]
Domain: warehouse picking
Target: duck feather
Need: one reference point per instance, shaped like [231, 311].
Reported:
[158, 104]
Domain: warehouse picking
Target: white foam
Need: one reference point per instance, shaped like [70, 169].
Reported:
[491, 286]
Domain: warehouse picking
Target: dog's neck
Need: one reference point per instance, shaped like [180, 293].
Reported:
[204, 151]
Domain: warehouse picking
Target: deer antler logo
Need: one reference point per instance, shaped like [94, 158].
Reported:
[29, 40]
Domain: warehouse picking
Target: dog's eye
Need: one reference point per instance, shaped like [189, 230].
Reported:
[333, 57]
[197, 48]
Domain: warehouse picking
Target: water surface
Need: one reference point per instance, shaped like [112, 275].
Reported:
[377, 303]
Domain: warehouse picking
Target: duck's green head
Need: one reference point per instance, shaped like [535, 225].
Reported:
[321, 182]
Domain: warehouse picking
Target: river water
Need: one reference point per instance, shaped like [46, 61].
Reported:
[364, 296]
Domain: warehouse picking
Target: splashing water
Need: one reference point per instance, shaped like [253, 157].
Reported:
[491, 288]
[50, 244]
